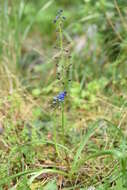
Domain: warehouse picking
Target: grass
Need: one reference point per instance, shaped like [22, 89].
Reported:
[81, 141]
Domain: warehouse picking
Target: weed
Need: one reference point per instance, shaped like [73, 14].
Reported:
[63, 68]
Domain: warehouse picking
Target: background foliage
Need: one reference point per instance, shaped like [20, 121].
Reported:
[32, 153]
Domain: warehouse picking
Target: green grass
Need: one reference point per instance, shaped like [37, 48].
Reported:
[82, 142]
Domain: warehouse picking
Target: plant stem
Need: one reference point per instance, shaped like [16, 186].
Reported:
[61, 48]
[55, 136]
[63, 130]
[62, 67]
[61, 40]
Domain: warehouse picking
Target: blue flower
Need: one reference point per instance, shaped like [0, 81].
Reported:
[60, 97]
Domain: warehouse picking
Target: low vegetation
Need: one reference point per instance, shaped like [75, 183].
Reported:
[63, 103]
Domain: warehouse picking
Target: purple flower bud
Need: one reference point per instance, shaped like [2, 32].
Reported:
[57, 17]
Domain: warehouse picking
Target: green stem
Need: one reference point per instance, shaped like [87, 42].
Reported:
[61, 39]
[63, 130]
[55, 136]
[62, 67]
[61, 48]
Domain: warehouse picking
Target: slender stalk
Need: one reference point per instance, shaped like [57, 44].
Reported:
[63, 130]
[61, 48]
[62, 67]
[61, 40]
[55, 136]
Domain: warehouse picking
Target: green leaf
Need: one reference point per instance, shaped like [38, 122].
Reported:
[23, 184]
[38, 173]
[83, 142]
[36, 92]
[51, 186]
[119, 185]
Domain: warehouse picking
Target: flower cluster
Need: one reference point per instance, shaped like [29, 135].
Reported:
[62, 60]
[59, 16]
[60, 97]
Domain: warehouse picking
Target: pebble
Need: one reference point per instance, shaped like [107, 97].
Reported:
[91, 188]
[1, 129]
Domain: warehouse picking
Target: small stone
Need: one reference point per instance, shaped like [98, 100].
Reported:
[1, 129]
[91, 188]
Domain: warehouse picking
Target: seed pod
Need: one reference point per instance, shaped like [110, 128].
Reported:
[67, 50]
[64, 18]
[61, 10]
[54, 21]
[58, 77]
